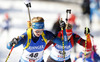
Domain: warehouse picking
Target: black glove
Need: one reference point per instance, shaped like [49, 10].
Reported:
[14, 41]
[87, 30]
[27, 3]
[62, 24]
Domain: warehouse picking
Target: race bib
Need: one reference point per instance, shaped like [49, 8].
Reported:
[58, 54]
[67, 53]
[33, 56]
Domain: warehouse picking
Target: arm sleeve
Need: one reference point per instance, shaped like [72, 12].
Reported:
[58, 39]
[81, 41]
[49, 35]
[48, 44]
[78, 39]
[21, 40]
[53, 38]
[96, 57]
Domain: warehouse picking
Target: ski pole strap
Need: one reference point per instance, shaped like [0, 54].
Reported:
[10, 52]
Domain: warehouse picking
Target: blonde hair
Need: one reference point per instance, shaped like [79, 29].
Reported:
[37, 19]
[68, 26]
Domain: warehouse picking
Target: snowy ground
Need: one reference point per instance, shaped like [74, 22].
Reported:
[49, 11]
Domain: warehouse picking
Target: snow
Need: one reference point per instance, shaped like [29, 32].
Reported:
[49, 11]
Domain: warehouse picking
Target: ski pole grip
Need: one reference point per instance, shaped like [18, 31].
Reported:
[27, 3]
[86, 31]
[28, 24]
[67, 11]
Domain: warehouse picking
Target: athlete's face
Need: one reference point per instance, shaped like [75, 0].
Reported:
[37, 32]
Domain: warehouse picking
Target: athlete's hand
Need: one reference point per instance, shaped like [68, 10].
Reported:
[86, 31]
[14, 41]
[27, 3]
[62, 24]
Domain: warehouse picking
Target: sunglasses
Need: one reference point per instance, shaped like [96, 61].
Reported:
[38, 31]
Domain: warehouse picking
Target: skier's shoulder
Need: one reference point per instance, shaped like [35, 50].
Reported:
[47, 32]
[24, 35]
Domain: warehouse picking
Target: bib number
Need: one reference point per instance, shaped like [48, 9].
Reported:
[34, 55]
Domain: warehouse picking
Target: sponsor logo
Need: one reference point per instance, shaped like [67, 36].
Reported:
[36, 47]
[65, 38]
[61, 47]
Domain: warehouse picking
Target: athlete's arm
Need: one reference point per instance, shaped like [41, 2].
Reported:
[21, 40]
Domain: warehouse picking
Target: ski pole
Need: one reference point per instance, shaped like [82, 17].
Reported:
[28, 4]
[85, 45]
[67, 11]
[85, 50]
[10, 52]
[62, 41]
